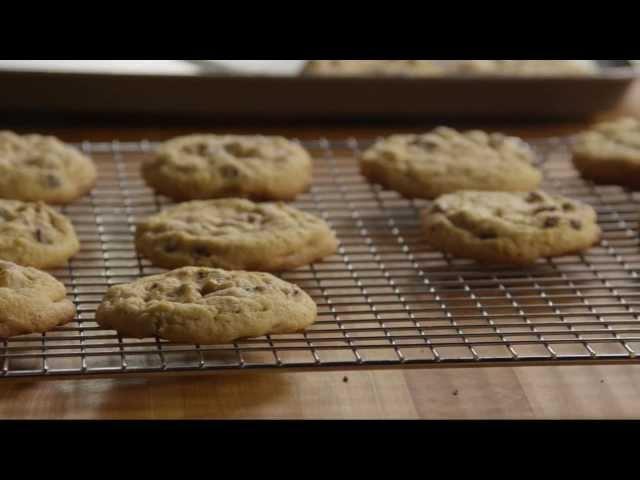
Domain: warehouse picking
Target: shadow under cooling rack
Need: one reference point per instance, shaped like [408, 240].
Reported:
[385, 299]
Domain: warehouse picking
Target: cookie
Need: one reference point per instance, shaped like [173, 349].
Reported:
[31, 301]
[431, 68]
[42, 168]
[35, 235]
[524, 68]
[206, 306]
[375, 68]
[260, 167]
[610, 152]
[234, 234]
[445, 160]
[509, 228]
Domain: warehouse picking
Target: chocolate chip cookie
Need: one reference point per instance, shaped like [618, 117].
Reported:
[429, 68]
[524, 68]
[374, 68]
[42, 168]
[445, 160]
[31, 301]
[509, 228]
[234, 234]
[214, 166]
[35, 235]
[206, 306]
[610, 152]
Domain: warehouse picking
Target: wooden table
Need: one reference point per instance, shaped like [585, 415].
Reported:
[605, 391]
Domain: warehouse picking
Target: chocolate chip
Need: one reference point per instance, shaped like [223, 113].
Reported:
[154, 286]
[487, 235]
[182, 289]
[551, 222]
[544, 209]
[253, 218]
[52, 181]
[198, 149]
[170, 247]
[228, 171]
[200, 251]
[260, 288]
[534, 197]
[41, 236]
[576, 224]
[202, 274]
[568, 207]
[437, 208]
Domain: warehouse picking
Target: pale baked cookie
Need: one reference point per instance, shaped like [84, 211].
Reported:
[35, 235]
[234, 234]
[213, 166]
[445, 160]
[374, 68]
[431, 68]
[37, 167]
[524, 68]
[31, 301]
[206, 306]
[610, 152]
[509, 228]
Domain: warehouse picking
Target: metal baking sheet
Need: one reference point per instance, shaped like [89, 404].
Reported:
[298, 97]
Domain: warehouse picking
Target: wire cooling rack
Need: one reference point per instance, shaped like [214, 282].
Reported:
[385, 299]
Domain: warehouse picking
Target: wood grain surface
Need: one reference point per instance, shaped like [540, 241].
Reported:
[607, 391]
[604, 391]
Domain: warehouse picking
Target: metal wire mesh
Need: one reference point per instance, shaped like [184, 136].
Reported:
[386, 298]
